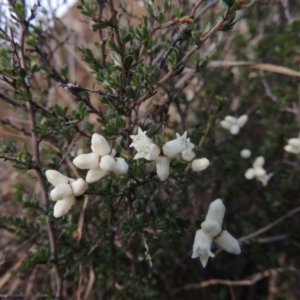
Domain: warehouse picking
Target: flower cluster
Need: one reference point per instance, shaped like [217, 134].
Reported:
[234, 124]
[148, 150]
[293, 145]
[211, 230]
[64, 192]
[257, 171]
[101, 161]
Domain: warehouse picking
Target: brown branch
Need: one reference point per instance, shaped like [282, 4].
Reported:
[248, 282]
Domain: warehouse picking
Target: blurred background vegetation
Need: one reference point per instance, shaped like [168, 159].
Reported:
[131, 237]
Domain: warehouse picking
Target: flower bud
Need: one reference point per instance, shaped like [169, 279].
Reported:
[188, 155]
[62, 207]
[60, 192]
[225, 124]
[200, 164]
[95, 174]
[78, 186]
[250, 174]
[100, 145]
[56, 178]
[162, 167]
[216, 211]
[211, 227]
[230, 119]
[121, 166]
[259, 162]
[86, 161]
[259, 172]
[245, 153]
[235, 129]
[242, 120]
[107, 163]
[228, 242]
[291, 149]
[294, 142]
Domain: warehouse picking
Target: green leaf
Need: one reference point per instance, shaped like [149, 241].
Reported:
[127, 38]
[128, 61]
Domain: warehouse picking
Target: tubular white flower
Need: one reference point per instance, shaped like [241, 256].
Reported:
[163, 167]
[60, 192]
[242, 120]
[55, 177]
[228, 242]
[78, 186]
[121, 166]
[245, 153]
[250, 174]
[139, 139]
[62, 207]
[100, 145]
[180, 144]
[201, 247]
[216, 211]
[259, 162]
[293, 146]
[107, 163]
[258, 171]
[95, 174]
[188, 155]
[147, 150]
[200, 164]
[211, 227]
[234, 124]
[212, 231]
[235, 129]
[87, 161]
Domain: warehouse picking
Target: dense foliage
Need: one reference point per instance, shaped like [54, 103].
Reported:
[181, 66]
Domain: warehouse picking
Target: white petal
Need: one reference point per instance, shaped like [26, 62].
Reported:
[225, 124]
[188, 155]
[162, 167]
[245, 153]
[216, 211]
[235, 129]
[292, 149]
[200, 164]
[250, 174]
[100, 145]
[62, 207]
[113, 153]
[86, 161]
[211, 227]
[78, 186]
[201, 247]
[107, 163]
[265, 179]
[56, 178]
[259, 162]
[232, 120]
[228, 242]
[294, 142]
[121, 166]
[61, 191]
[172, 148]
[95, 174]
[154, 152]
[259, 172]
[242, 120]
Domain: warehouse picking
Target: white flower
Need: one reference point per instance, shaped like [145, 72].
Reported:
[100, 162]
[188, 155]
[211, 230]
[143, 144]
[178, 145]
[200, 164]
[293, 145]
[258, 172]
[64, 192]
[245, 153]
[234, 124]
[162, 167]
